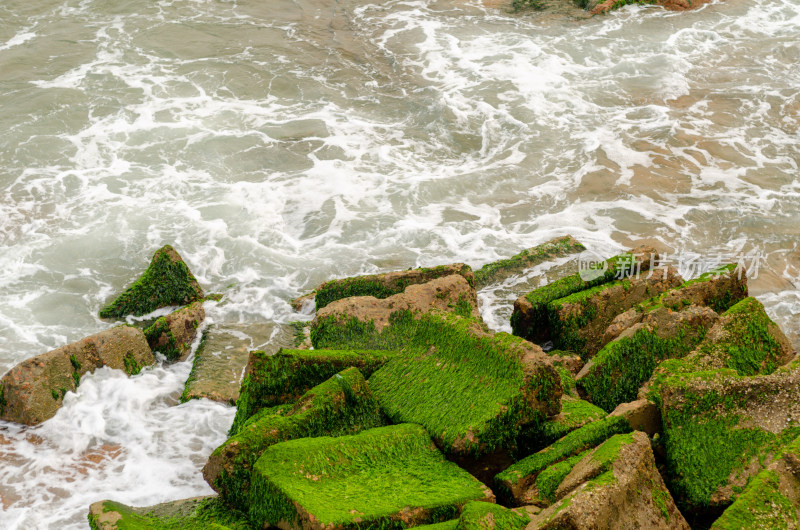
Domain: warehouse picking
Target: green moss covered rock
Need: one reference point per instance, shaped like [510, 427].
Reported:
[167, 281]
[575, 413]
[388, 477]
[472, 389]
[498, 271]
[285, 376]
[721, 429]
[487, 516]
[34, 390]
[530, 318]
[381, 285]
[199, 513]
[173, 334]
[341, 405]
[516, 485]
[771, 499]
[615, 485]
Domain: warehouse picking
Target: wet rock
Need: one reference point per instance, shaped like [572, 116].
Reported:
[341, 405]
[197, 512]
[500, 270]
[167, 281]
[615, 485]
[619, 370]
[285, 376]
[380, 285]
[489, 516]
[721, 429]
[771, 499]
[577, 322]
[450, 293]
[519, 485]
[33, 391]
[380, 477]
[596, 7]
[173, 334]
[220, 361]
[530, 317]
[642, 415]
[575, 413]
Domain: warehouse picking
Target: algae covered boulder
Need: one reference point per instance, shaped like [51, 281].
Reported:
[499, 270]
[285, 376]
[198, 513]
[615, 485]
[530, 319]
[383, 285]
[341, 405]
[771, 499]
[33, 390]
[721, 429]
[166, 281]
[519, 485]
[381, 478]
[173, 334]
[488, 516]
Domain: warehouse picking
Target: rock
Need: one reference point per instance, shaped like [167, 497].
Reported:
[530, 317]
[341, 405]
[617, 372]
[721, 429]
[380, 477]
[642, 415]
[488, 516]
[172, 335]
[167, 281]
[577, 322]
[771, 499]
[575, 413]
[597, 8]
[220, 360]
[470, 388]
[744, 339]
[570, 361]
[450, 293]
[33, 391]
[615, 485]
[284, 377]
[197, 512]
[499, 270]
[381, 285]
[517, 485]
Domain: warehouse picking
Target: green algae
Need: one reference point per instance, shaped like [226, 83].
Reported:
[761, 505]
[341, 405]
[501, 269]
[286, 375]
[465, 385]
[166, 281]
[360, 481]
[575, 413]
[205, 514]
[488, 516]
[548, 481]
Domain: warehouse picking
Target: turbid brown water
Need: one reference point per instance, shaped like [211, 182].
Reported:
[280, 144]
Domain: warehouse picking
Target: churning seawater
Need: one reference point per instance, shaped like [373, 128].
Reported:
[279, 144]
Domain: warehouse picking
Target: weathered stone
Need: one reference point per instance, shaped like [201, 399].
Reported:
[615, 485]
[380, 477]
[197, 512]
[577, 322]
[167, 281]
[617, 372]
[33, 391]
[771, 499]
[380, 285]
[642, 415]
[721, 429]
[220, 361]
[341, 405]
[489, 516]
[173, 334]
[530, 318]
[497, 271]
[288, 374]
[575, 413]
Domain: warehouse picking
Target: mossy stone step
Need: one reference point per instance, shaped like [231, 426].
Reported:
[166, 281]
[285, 376]
[341, 405]
[199, 513]
[575, 413]
[388, 477]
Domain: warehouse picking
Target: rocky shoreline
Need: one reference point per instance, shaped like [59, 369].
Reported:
[625, 398]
